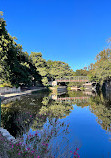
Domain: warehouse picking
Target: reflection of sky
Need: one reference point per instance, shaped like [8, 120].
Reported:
[93, 139]
[87, 133]
[85, 130]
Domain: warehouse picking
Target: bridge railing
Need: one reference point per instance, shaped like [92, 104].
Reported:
[73, 78]
[74, 99]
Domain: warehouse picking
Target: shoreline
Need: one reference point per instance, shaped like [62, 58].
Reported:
[10, 95]
[4, 133]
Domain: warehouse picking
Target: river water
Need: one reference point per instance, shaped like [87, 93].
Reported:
[76, 121]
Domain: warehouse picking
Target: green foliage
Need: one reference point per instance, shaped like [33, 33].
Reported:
[74, 84]
[68, 88]
[59, 69]
[6, 85]
[16, 67]
[41, 66]
[39, 144]
[81, 72]
[82, 88]
[101, 70]
[1, 13]
[100, 106]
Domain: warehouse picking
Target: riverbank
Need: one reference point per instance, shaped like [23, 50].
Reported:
[29, 91]
[4, 147]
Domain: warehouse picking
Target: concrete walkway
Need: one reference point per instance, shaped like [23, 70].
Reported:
[5, 96]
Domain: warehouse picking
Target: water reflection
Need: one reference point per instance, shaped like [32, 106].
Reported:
[100, 104]
[22, 114]
[80, 98]
[31, 112]
[54, 134]
[101, 107]
[18, 116]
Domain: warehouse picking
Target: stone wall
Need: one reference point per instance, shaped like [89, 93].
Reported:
[5, 90]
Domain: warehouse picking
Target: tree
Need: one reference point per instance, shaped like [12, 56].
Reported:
[41, 66]
[59, 69]
[101, 70]
[81, 72]
[16, 68]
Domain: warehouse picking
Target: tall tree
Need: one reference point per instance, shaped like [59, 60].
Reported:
[81, 72]
[59, 69]
[15, 65]
[41, 66]
[101, 70]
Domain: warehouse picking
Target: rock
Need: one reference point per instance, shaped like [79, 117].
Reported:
[7, 135]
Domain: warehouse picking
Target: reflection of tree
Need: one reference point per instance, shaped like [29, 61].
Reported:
[18, 116]
[82, 102]
[56, 109]
[31, 112]
[53, 109]
[101, 107]
[38, 122]
[45, 100]
[16, 121]
[76, 93]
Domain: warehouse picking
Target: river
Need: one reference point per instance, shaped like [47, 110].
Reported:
[74, 123]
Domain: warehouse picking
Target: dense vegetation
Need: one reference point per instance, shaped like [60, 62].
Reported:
[101, 70]
[18, 68]
[59, 69]
[100, 106]
[82, 72]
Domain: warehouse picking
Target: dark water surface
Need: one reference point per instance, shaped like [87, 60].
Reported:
[86, 116]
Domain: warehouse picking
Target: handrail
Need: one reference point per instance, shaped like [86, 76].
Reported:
[78, 78]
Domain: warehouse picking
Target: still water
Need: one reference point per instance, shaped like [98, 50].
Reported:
[80, 121]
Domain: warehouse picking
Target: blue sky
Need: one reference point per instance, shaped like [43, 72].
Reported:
[66, 30]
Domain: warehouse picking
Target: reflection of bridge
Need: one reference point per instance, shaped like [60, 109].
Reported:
[73, 79]
[73, 99]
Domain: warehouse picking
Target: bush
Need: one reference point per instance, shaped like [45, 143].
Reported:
[5, 85]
